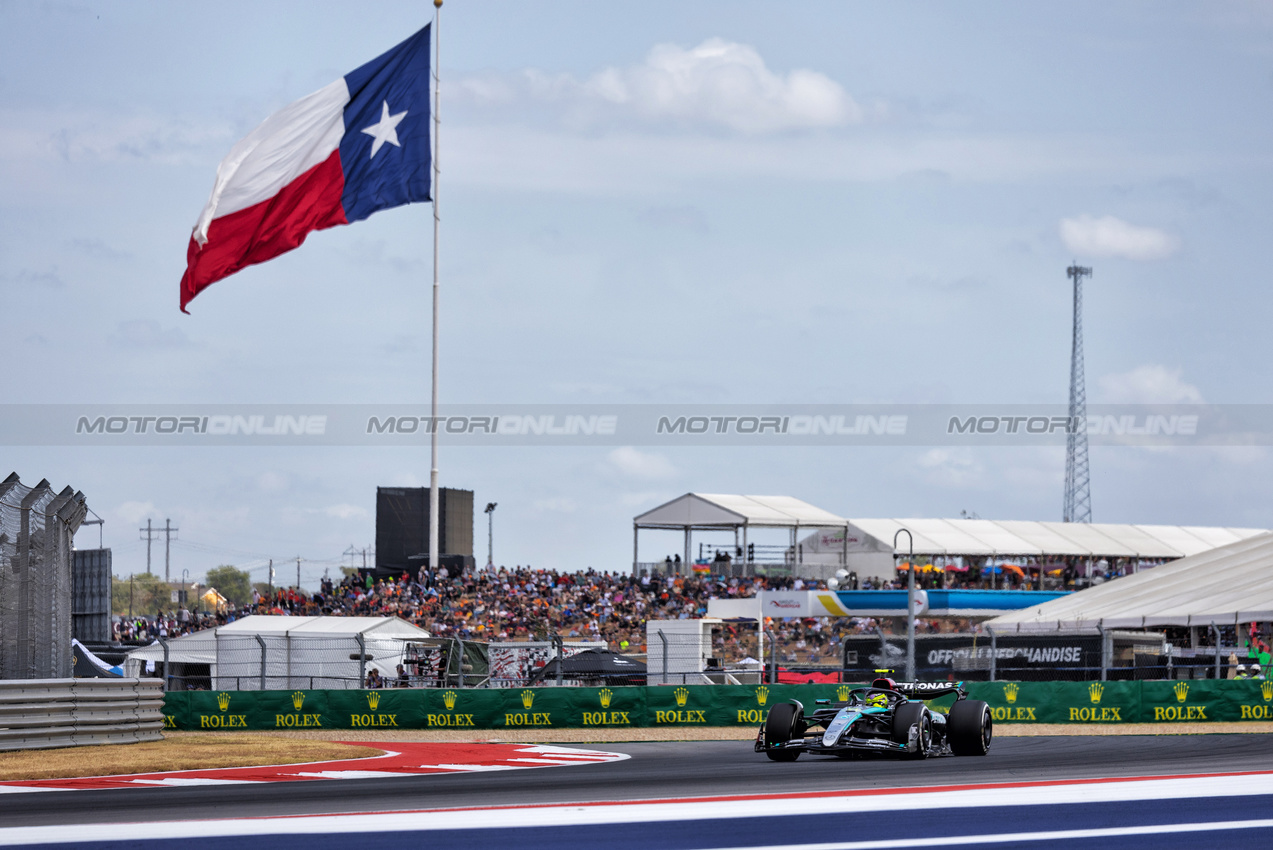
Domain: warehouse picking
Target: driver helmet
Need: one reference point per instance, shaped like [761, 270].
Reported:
[877, 700]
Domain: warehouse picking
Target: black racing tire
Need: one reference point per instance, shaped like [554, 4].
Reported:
[906, 715]
[969, 728]
[784, 722]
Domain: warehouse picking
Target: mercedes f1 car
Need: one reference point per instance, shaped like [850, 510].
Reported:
[887, 718]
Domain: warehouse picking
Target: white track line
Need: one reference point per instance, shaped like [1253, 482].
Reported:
[674, 810]
[1007, 837]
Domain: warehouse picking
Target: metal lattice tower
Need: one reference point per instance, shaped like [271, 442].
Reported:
[1078, 494]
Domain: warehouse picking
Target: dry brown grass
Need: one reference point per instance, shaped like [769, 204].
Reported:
[733, 733]
[183, 752]
[201, 750]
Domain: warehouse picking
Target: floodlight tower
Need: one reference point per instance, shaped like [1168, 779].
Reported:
[1078, 495]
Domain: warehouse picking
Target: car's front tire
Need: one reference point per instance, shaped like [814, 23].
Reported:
[910, 714]
[969, 727]
[784, 722]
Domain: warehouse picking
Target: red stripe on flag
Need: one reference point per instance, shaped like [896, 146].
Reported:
[265, 230]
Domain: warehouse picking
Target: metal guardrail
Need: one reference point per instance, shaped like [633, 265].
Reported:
[46, 713]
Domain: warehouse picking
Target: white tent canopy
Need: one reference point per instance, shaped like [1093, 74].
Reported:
[1226, 585]
[723, 512]
[983, 537]
[714, 510]
[299, 651]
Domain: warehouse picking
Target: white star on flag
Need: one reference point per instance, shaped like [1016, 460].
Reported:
[386, 130]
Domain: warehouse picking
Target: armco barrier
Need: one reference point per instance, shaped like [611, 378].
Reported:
[43, 713]
[692, 705]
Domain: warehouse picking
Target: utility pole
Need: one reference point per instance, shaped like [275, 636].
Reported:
[149, 537]
[298, 573]
[169, 531]
[271, 580]
[1078, 494]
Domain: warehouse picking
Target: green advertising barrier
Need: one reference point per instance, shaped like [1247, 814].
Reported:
[1060, 702]
[693, 705]
[1205, 701]
[729, 705]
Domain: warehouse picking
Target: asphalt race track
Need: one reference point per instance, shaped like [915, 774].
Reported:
[657, 770]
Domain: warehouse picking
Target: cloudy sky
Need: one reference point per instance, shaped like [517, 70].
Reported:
[664, 202]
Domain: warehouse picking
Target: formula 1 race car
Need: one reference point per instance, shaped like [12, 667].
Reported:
[888, 718]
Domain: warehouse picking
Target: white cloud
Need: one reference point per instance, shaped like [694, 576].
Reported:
[147, 333]
[131, 512]
[526, 158]
[638, 464]
[717, 84]
[559, 505]
[1112, 237]
[645, 499]
[1149, 384]
[271, 481]
[346, 512]
[102, 135]
[950, 467]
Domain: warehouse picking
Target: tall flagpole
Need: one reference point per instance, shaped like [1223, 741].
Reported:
[433, 431]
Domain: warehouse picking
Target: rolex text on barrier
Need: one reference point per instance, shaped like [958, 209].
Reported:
[1150, 702]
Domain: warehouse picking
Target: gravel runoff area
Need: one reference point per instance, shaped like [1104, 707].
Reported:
[726, 733]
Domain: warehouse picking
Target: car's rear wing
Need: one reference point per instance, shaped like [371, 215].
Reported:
[931, 690]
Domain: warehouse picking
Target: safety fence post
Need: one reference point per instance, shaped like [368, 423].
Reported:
[260, 640]
[362, 660]
[167, 671]
[459, 642]
[1215, 631]
[1106, 649]
[663, 638]
[773, 659]
[994, 653]
[561, 655]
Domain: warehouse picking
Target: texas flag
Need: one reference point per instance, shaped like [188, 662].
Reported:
[354, 147]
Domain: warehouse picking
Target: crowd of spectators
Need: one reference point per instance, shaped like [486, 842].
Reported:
[147, 629]
[524, 603]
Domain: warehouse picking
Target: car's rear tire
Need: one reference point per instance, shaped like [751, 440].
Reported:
[784, 722]
[969, 728]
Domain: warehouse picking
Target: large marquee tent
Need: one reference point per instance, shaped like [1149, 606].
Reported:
[298, 652]
[1021, 538]
[1228, 585]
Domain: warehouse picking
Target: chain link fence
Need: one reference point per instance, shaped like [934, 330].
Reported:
[677, 652]
[37, 527]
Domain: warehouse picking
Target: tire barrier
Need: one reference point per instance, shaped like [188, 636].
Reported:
[45, 713]
[692, 705]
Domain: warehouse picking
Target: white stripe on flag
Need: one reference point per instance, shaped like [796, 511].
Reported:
[284, 146]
